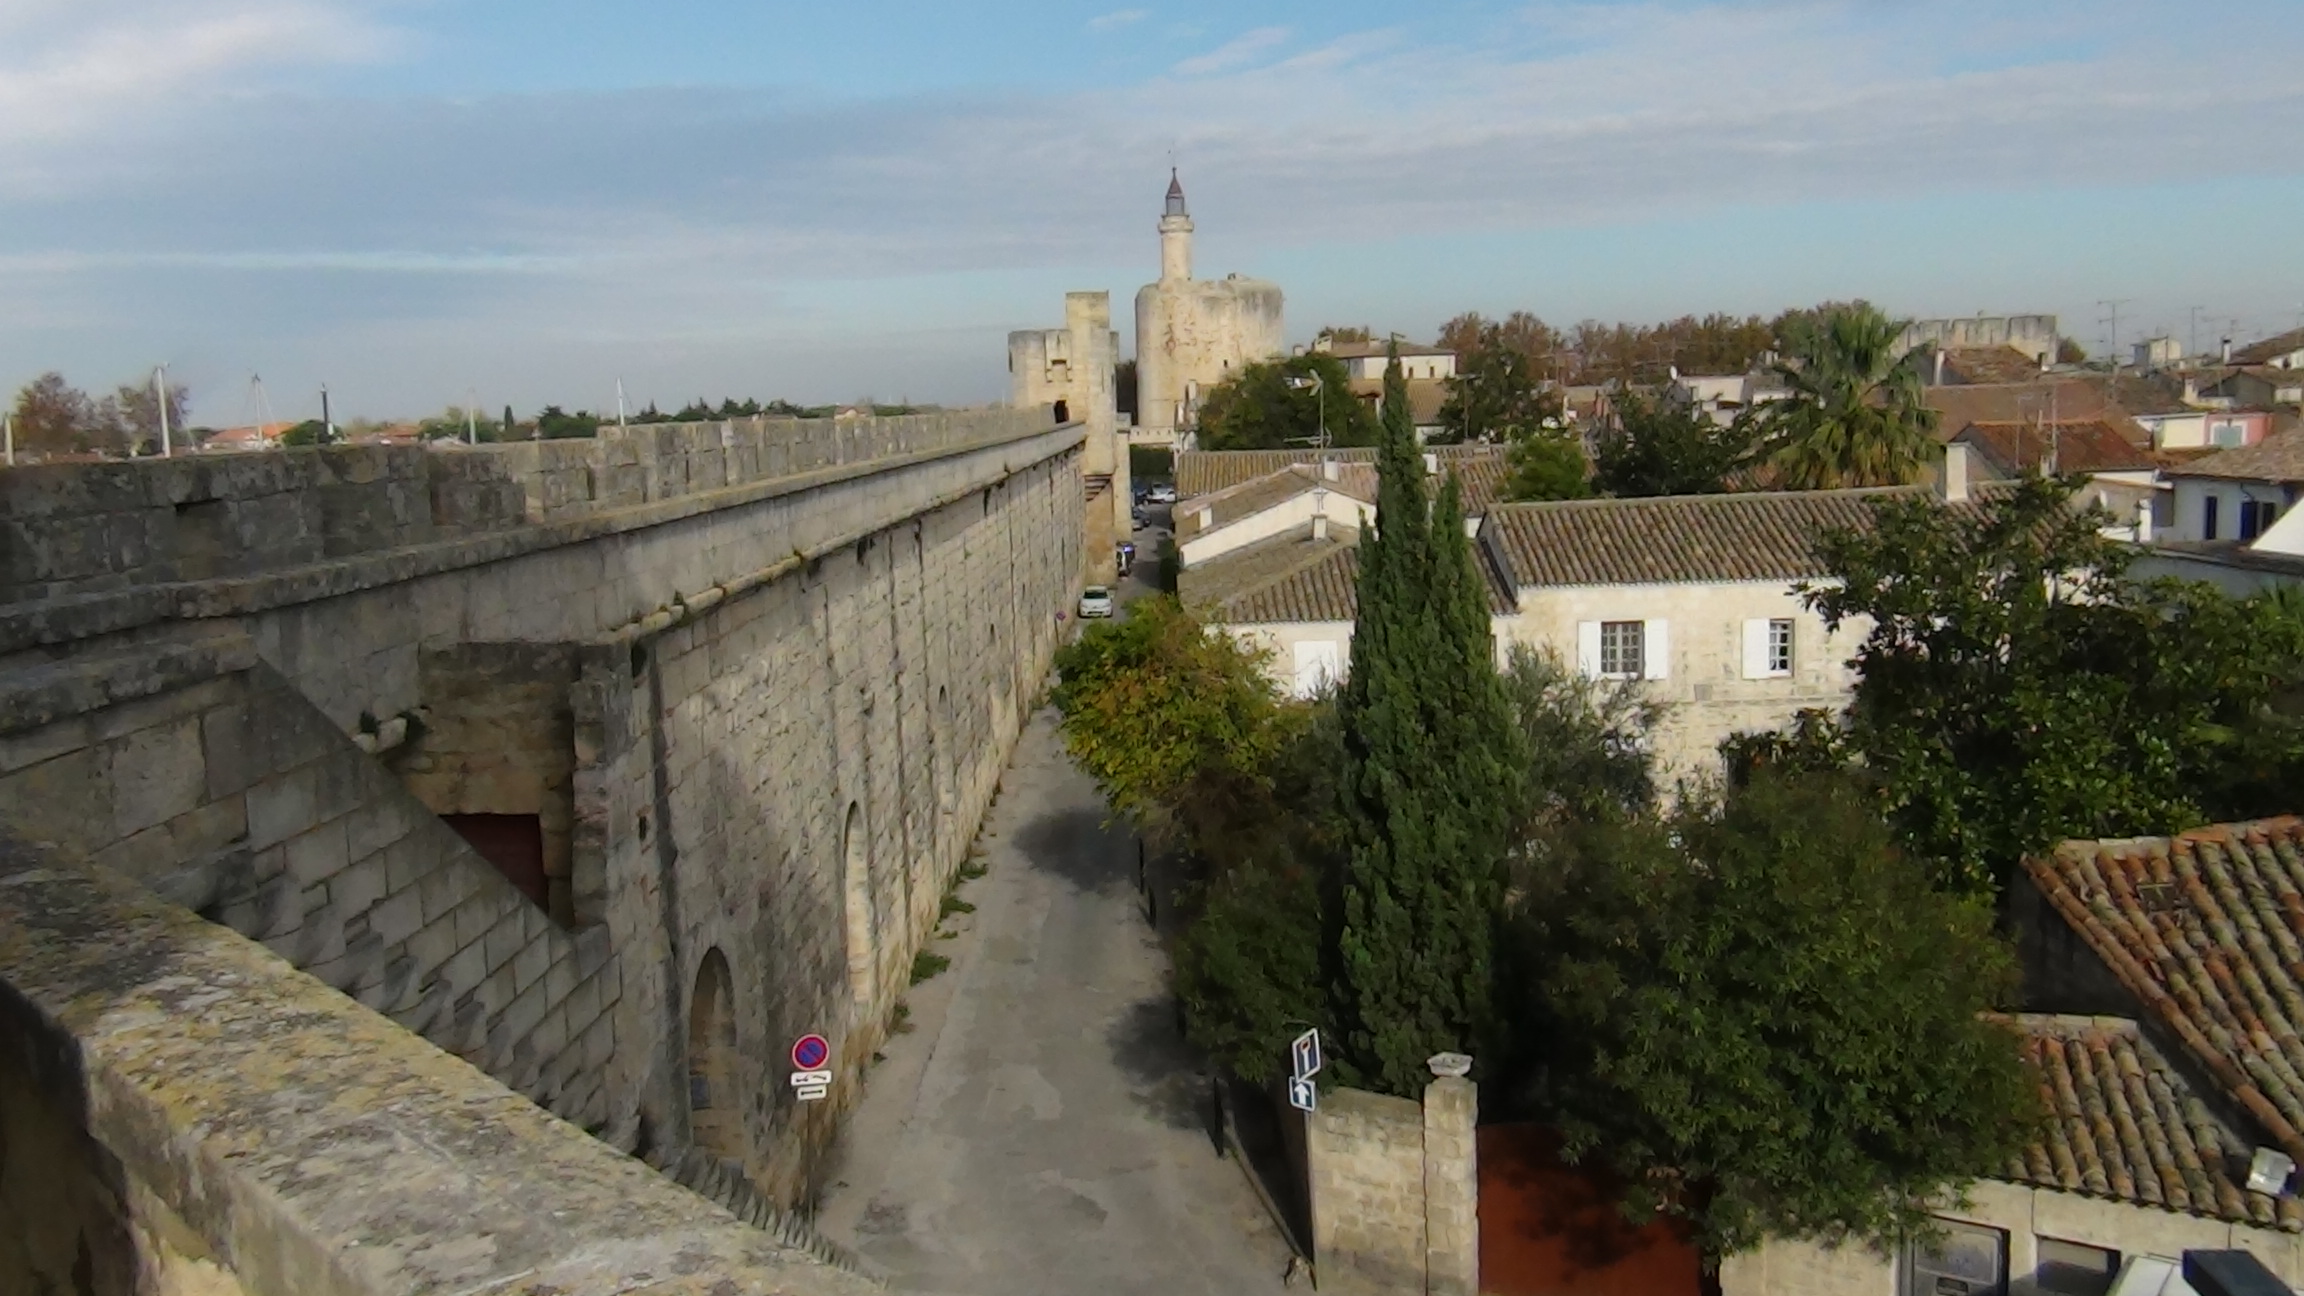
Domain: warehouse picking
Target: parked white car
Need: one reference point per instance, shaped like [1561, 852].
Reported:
[1095, 601]
[1161, 494]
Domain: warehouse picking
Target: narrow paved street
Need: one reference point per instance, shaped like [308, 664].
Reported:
[1042, 1129]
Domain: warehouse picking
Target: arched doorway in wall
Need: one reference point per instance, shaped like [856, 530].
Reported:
[856, 873]
[715, 1109]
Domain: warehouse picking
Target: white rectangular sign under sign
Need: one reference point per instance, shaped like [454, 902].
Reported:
[809, 1086]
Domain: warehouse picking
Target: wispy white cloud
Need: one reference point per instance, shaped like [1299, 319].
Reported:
[60, 73]
[1117, 19]
[1235, 53]
[622, 223]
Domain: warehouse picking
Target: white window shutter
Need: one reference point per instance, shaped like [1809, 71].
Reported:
[1655, 649]
[1588, 648]
[1756, 649]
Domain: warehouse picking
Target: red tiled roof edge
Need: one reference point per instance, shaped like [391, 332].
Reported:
[2243, 1089]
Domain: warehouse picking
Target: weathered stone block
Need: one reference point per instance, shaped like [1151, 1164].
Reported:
[281, 806]
[396, 918]
[317, 855]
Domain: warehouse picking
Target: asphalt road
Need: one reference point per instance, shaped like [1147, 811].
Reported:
[1042, 1128]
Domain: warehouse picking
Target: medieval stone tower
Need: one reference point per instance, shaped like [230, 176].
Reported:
[1194, 333]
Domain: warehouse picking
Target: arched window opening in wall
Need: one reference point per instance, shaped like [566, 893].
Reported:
[715, 1109]
[856, 868]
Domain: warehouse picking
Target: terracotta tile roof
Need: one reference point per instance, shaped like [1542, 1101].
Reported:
[2206, 929]
[2271, 348]
[2277, 458]
[1753, 536]
[2065, 400]
[2090, 446]
[1480, 468]
[1292, 577]
[1989, 364]
[2123, 1124]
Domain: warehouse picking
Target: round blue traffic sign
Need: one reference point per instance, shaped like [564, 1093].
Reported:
[809, 1052]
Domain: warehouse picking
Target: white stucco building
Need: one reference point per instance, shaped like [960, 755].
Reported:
[1194, 333]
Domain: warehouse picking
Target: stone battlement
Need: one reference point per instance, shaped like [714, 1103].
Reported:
[79, 528]
[180, 1110]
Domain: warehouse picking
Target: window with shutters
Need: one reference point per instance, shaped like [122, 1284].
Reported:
[1621, 644]
[1780, 646]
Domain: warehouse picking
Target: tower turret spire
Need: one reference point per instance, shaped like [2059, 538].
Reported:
[1175, 233]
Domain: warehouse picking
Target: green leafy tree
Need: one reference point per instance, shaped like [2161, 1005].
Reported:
[1431, 763]
[509, 428]
[1537, 343]
[1545, 464]
[310, 432]
[1854, 416]
[1154, 703]
[1495, 395]
[2015, 689]
[1662, 447]
[54, 417]
[2069, 352]
[1766, 1020]
[554, 423]
[1586, 742]
[1258, 409]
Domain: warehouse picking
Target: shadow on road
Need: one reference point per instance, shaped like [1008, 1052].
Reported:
[1163, 1072]
[1073, 845]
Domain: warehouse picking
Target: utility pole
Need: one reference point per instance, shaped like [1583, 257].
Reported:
[471, 419]
[2193, 341]
[160, 390]
[620, 403]
[2112, 323]
[8, 435]
[327, 420]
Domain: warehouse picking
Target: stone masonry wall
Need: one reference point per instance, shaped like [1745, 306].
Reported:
[496, 736]
[235, 797]
[186, 1115]
[80, 528]
[749, 663]
[1366, 1154]
[1395, 1188]
[881, 685]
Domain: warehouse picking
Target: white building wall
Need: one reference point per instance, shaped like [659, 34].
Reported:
[1342, 511]
[2191, 508]
[1704, 678]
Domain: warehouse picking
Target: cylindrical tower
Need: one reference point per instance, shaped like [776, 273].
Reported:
[1175, 234]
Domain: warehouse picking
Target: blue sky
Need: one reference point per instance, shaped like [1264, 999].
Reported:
[421, 201]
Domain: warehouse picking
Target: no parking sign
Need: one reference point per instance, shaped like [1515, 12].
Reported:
[810, 1081]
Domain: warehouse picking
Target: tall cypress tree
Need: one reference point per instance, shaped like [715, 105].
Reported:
[1430, 755]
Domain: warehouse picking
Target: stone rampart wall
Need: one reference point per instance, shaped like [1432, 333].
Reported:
[83, 528]
[791, 777]
[753, 666]
[238, 799]
[183, 1112]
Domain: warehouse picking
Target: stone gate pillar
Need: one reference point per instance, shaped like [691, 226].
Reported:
[1451, 1179]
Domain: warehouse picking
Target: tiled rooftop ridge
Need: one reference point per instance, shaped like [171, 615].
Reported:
[2206, 929]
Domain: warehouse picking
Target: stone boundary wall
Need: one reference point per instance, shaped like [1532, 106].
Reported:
[233, 796]
[81, 528]
[209, 1120]
[1395, 1190]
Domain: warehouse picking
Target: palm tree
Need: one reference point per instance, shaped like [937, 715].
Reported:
[1854, 417]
